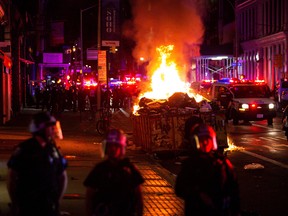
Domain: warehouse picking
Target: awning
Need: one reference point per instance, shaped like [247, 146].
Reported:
[26, 61]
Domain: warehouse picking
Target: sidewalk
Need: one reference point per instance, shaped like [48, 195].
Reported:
[82, 147]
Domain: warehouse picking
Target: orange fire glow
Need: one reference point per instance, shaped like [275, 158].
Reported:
[165, 80]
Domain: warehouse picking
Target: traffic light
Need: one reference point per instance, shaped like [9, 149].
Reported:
[113, 49]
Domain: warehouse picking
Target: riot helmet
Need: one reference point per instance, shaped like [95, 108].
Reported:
[114, 144]
[205, 138]
[40, 121]
[116, 137]
[190, 125]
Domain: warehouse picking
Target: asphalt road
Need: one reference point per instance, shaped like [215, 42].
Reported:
[82, 147]
[260, 159]
[263, 186]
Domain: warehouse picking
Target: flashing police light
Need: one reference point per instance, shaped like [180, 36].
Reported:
[225, 80]
[259, 81]
[234, 64]
[208, 81]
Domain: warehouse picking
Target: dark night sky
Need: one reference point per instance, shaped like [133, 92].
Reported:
[69, 12]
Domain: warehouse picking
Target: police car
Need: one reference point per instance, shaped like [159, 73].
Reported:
[244, 100]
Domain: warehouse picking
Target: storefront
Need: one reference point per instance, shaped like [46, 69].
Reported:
[6, 86]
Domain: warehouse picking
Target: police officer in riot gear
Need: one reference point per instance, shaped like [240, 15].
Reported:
[113, 187]
[207, 181]
[37, 175]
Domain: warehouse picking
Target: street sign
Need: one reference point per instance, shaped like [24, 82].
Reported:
[110, 43]
[102, 66]
[92, 54]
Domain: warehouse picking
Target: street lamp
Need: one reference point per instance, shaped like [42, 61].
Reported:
[81, 31]
[98, 42]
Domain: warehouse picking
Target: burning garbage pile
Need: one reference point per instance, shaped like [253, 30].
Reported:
[179, 102]
[167, 91]
[160, 113]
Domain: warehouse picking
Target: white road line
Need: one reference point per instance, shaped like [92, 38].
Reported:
[260, 125]
[277, 163]
[270, 138]
[267, 127]
[265, 138]
[275, 139]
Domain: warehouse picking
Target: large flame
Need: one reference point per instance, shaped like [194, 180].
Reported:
[166, 80]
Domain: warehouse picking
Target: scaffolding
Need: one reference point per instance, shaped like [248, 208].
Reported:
[216, 67]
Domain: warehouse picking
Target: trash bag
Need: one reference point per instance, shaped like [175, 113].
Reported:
[144, 101]
[179, 100]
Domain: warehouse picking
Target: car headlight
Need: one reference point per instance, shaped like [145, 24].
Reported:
[271, 106]
[245, 106]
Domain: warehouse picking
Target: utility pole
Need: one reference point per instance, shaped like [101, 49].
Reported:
[99, 26]
[99, 49]
[81, 40]
[81, 32]
[236, 42]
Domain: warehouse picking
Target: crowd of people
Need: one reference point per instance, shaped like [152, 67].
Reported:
[37, 177]
[56, 98]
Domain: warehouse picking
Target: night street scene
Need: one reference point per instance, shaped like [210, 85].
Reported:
[144, 107]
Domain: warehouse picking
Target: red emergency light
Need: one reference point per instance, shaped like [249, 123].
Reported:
[259, 81]
[131, 82]
[90, 83]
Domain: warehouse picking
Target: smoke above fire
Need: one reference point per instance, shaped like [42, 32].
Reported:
[165, 22]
